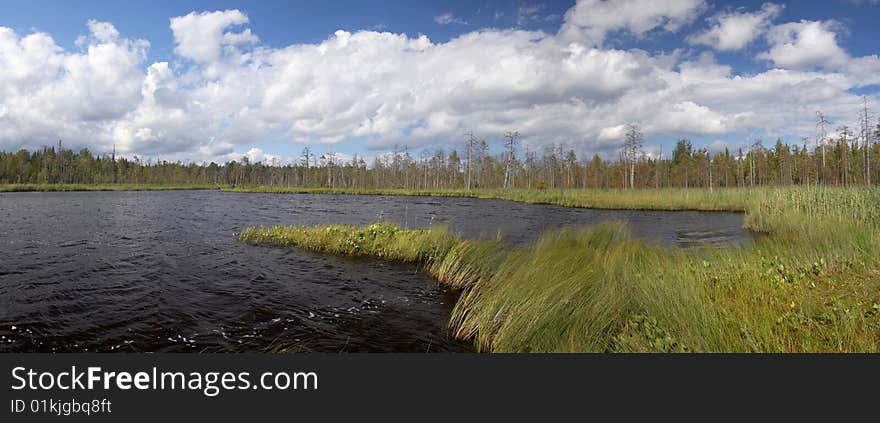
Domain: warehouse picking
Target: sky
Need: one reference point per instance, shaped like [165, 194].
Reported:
[208, 81]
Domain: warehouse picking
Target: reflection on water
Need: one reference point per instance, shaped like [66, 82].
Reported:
[162, 271]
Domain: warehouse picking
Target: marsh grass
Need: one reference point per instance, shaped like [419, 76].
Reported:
[811, 285]
[597, 289]
[382, 240]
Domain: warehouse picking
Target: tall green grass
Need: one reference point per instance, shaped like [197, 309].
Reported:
[382, 240]
[812, 284]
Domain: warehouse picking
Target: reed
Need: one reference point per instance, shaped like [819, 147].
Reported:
[811, 284]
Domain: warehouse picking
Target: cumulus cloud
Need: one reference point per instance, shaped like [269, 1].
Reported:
[380, 88]
[805, 44]
[255, 155]
[47, 93]
[202, 36]
[733, 30]
[590, 21]
[103, 31]
[864, 70]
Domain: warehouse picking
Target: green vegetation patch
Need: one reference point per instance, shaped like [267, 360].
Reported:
[811, 285]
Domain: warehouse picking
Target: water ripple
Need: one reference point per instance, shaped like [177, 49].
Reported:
[162, 271]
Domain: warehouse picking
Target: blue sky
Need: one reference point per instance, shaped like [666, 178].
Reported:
[278, 23]
[205, 105]
[282, 23]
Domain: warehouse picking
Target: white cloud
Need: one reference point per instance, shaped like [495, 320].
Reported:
[589, 21]
[255, 155]
[103, 31]
[612, 133]
[805, 44]
[201, 36]
[49, 94]
[733, 30]
[381, 89]
[864, 70]
[449, 18]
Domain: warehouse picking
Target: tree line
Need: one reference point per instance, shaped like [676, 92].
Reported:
[848, 159]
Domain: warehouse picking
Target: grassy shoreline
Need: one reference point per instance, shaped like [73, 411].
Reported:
[99, 187]
[767, 209]
[668, 199]
[811, 285]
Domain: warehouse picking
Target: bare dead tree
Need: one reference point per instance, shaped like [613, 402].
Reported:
[820, 136]
[756, 147]
[632, 145]
[330, 165]
[741, 182]
[709, 166]
[844, 137]
[306, 160]
[471, 143]
[657, 168]
[508, 168]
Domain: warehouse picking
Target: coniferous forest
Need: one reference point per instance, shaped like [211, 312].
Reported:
[847, 160]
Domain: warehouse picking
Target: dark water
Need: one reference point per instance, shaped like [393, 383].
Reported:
[162, 271]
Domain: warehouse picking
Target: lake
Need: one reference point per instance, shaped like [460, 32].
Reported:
[162, 270]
